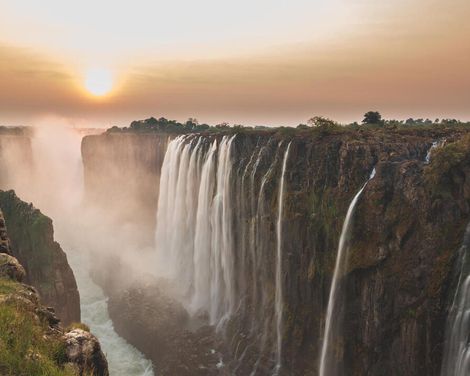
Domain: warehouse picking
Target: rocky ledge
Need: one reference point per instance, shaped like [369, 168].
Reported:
[32, 342]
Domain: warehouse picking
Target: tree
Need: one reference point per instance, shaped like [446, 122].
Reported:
[192, 121]
[320, 121]
[372, 117]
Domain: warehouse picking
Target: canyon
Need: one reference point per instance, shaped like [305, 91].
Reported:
[221, 247]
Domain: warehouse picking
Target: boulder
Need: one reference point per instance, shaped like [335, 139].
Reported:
[11, 268]
[83, 349]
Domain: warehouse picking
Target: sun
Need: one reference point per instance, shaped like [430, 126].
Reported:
[99, 82]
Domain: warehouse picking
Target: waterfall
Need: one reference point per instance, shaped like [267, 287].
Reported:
[456, 361]
[194, 236]
[434, 145]
[214, 234]
[278, 296]
[340, 266]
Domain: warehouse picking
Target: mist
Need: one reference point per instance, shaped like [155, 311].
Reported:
[45, 168]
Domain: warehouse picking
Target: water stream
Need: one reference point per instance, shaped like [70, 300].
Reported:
[327, 361]
[278, 295]
[456, 360]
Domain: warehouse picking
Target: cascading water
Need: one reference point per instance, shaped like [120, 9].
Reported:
[278, 296]
[326, 359]
[194, 237]
[212, 216]
[456, 361]
[434, 145]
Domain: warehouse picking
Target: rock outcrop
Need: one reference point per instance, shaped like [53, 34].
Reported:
[11, 268]
[4, 241]
[83, 350]
[31, 241]
[32, 342]
[161, 328]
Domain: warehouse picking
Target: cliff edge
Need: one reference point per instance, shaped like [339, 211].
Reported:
[31, 241]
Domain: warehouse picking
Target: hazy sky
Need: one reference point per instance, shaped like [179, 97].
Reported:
[246, 61]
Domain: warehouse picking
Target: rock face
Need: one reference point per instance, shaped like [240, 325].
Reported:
[31, 340]
[32, 242]
[4, 241]
[407, 228]
[122, 174]
[83, 349]
[159, 326]
[31, 333]
[11, 268]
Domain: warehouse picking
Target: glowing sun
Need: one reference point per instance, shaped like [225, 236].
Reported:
[99, 82]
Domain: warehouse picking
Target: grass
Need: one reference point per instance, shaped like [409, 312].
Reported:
[25, 348]
[78, 325]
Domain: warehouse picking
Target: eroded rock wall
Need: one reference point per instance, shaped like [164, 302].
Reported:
[407, 228]
[32, 242]
[121, 174]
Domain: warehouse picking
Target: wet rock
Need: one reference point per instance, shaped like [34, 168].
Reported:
[159, 327]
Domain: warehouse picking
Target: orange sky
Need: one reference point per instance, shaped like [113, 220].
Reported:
[274, 63]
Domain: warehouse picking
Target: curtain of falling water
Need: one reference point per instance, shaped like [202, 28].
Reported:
[278, 295]
[194, 237]
[212, 215]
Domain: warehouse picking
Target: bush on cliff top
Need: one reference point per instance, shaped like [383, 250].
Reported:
[446, 158]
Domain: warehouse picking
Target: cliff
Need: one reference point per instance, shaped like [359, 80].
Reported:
[122, 174]
[31, 340]
[407, 229]
[32, 242]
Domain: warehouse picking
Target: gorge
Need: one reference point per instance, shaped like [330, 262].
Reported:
[263, 251]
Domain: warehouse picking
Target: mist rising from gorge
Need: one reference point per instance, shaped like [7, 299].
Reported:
[46, 168]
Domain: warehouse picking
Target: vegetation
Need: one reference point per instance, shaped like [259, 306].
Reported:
[372, 117]
[372, 120]
[78, 325]
[26, 347]
[444, 160]
[164, 125]
[320, 121]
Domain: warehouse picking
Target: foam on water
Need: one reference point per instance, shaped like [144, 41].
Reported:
[123, 359]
